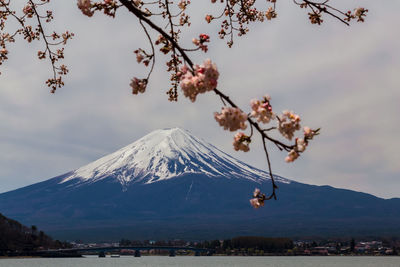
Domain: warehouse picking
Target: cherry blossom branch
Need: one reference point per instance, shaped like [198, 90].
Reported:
[224, 97]
[231, 118]
[140, 15]
[274, 186]
[253, 123]
[143, 16]
[153, 55]
[324, 7]
[54, 82]
[194, 79]
[30, 11]
[173, 63]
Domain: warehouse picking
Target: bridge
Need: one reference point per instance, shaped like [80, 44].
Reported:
[102, 250]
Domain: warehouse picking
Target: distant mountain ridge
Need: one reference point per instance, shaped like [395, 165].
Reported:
[170, 184]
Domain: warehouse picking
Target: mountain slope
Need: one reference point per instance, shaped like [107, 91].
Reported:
[170, 184]
[165, 154]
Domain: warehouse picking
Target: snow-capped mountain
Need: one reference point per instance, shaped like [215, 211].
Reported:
[165, 154]
[170, 184]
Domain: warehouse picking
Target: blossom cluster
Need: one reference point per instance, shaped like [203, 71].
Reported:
[31, 19]
[142, 56]
[183, 4]
[138, 85]
[309, 133]
[301, 144]
[3, 55]
[86, 7]
[28, 11]
[288, 123]
[209, 18]
[3, 52]
[236, 16]
[262, 110]
[258, 199]
[270, 13]
[204, 78]
[315, 18]
[299, 147]
[203, 38]
[292, 156]
[359, 14]
[231, 119]
[241, 142]
[167, 46]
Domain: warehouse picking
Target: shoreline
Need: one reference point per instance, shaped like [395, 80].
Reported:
[125, 256]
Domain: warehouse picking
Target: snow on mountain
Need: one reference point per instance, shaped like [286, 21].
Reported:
[165, 154]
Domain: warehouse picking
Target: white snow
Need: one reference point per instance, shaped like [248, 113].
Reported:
[165, 154]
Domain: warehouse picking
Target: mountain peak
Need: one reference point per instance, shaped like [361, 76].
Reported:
[170, 132]
[165, 154]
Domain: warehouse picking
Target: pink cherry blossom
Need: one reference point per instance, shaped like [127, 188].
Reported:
[256, 203]
[85, 7]
[301, 144]
[359, 13]
[258, 199]
[138, 85]
[309, 133]
[241, 142]
[139, 57]
[270, 13]
[203, 79]
[195, 41]
[262, 110]
[28, 11]
[288, 123]
[3, 51]
[231, 119]
[292, 156]
[256, 192]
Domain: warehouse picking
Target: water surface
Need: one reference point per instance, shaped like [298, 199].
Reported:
[219, 261]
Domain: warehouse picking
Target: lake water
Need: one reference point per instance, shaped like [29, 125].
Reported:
[206, 261]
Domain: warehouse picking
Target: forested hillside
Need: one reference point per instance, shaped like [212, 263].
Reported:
[18, 239]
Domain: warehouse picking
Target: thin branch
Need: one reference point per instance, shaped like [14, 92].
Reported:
[325, 10]
[152, 49]
[274, 186]
[141, 15]
[52, 59]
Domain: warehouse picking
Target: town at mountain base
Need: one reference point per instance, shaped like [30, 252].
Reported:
[170, 184]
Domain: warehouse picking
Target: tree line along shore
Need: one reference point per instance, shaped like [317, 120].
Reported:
[17, 240]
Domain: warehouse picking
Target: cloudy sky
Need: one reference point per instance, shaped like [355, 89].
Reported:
[343, 79]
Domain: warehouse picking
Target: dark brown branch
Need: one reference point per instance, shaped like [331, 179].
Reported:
[52, 60]
[274, 186]
[152, 49]
[255, 124]
[143, 16]
[173, 95]
[325, 10]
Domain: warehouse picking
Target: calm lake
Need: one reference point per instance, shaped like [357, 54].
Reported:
[207, 261]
